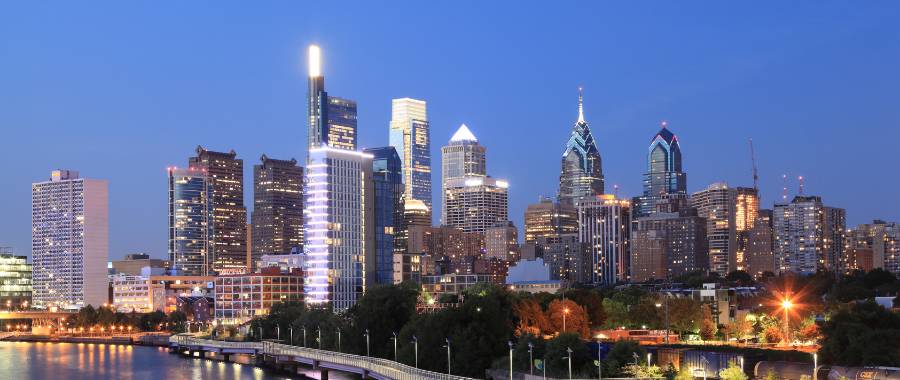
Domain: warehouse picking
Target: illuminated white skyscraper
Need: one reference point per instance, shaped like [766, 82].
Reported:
[474, 204]
[605, 226]
[69, 241]
[463, 157]
[339, 215]
[411, 137]
[332, 120]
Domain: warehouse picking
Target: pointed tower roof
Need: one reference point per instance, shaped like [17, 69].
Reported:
[580, 105]
[665, 133]
[463, 134]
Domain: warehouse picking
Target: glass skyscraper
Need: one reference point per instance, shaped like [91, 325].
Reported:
[226, 173]
[582, 171]
[191, 226]
[388, 191]
[664, 180]
[411, 137]
[462, 157]
[332, 120]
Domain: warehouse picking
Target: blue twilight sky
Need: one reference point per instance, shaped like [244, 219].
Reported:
[120, 90]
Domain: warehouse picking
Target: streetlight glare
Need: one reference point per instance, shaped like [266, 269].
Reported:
[787, 304]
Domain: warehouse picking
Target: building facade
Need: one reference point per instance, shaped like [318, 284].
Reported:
[69, 241]
[804, 235]
[15, 280]
[463, 157]
[240, 298]
[569, 259]
[387, 180]
[760, 252]
[277, 207]
[667, 245]
[549, 219]
[340, 238]
[191, 222]
[605, 226]
[225, 172]
[873, 245]
[410, 135]
[474, 204]
[502, 242]
[133, 263]
[582, 168]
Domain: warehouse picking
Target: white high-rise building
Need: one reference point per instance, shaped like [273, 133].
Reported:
[69, 241]
[808, 235]
[474, 204]
[339, 249]
[411, 137]
[605, 226]
[463, 157]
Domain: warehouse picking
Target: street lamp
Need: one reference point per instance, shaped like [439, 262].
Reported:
[319, 339]
[395, 345]
[339, 339]
[565, 313]
[304, 336]
[448, 354]
[568, 350]
[367, 343]
[415, 342]
[510, 359]
[278, 332]
[292, 334]
[815, 365]
[530, 359]
[787, 305]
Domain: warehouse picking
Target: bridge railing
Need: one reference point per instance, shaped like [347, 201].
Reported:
[380, 366]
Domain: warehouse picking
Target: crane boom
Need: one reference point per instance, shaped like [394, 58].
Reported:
[753, 161]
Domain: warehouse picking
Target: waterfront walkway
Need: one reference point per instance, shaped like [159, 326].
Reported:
[288, 357]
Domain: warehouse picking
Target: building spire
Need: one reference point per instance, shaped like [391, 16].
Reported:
[580, 104]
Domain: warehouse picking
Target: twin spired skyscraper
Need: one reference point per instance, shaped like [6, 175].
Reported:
[582, 167]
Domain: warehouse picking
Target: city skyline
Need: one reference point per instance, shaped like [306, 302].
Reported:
[622, 127]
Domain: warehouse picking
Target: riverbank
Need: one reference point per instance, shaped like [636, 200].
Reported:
[154, 340]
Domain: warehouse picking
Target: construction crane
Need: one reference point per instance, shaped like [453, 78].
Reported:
[753, 160]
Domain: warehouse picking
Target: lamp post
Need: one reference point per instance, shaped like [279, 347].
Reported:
[815, 365]
[304, 336]
[787, 305]
[319, 338]
[260, 333]
[569, 351]
[530, 359]
[666, 304]
[599, 363]
[448, 354]
[415, 342]
[565, 313]
[395, 345]
[367, 343]
[339, 339]
[278, 332]
[292, 334]
[510, 343]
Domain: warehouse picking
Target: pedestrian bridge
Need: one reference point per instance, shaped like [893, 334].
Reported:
[281, 355]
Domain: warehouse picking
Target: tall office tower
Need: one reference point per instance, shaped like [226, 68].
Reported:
[69, 241]
[474, 204]
[759, 255]
[664, 180]
[569, 259]
[548, 218]
[605, 225]
[881, 240]
[339, 217]
[582, 168]
[387, 179]
[411, 136]
[277, 207]
[666, 245]
[452, 246]
[191, 225]
[15, 280]
[332, 120]
[502, 242]
[226, 172]
[805, 235]
[835, 231]
[407, 265]
[462, 157]
[730, 214]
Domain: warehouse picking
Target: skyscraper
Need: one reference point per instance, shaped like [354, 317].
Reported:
[474, 204]
[882, 239]
[759, 255]
[730, 214]
[191, 226]
[339, 215]
[388, 190]
[605, 226]
[502, 242]
[549, 219]
[805, 235]
[277, 207]
[664, 180]
[332, 120]
[69, 241]
[582, 168]
[411, 137]
[226, 172]
[462, 157]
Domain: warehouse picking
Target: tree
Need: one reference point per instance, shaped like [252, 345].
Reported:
[532, 319]
[151, 321]
[568, 313]
[641, 371]
[772, 334]
[178, 319]
[707, 324]
[620, 355]
[861, 334]
[684, 315]
[592, 303]
[733, 372]
[616, 314]
[739, 277]
[382, 310]
[557, 352]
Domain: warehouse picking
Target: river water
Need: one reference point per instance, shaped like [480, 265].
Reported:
[77, 361]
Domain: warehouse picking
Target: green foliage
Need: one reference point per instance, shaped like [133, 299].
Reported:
[621, 354]
[770, 375]
[557, 355]
[642, 371]
[733, 372]
[616, 314]
[684, 374]
[862, 334]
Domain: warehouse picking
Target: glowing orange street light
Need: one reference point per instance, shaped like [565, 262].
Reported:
[565, 313]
